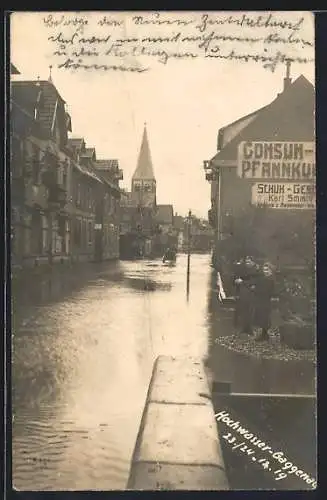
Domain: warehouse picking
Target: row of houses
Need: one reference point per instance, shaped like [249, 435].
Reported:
[64, 201]
[67, 205]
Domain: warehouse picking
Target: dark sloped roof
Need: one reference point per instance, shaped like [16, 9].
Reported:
[107, 164]
[22, 122]
[76, 143]
[290, 117]
[25, 94]
[85, 170]
[237, 124]
[165, 214]
[106, 181]
[178, 221]
[42, 95]
[89, 153]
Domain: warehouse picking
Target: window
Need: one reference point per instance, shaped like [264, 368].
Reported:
[57, 133]
[137, 186]
[45, 239]
[64, 175]
[89, 197]
[78, 194]
[77, 232]
[85, 239]
[90, 239]
[147, 186]
[35, 164]
[114, 205]
[60, 174]
[16, 158]
[61, 226]
[111, 204]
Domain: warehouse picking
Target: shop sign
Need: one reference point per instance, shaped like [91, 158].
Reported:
[284, 195]
[276, 160]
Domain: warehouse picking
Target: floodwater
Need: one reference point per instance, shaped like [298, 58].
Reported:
[84, 343]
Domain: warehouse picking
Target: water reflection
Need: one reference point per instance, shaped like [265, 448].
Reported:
[84, 343]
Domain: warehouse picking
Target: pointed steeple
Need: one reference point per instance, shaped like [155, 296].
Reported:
[50, 76]
[144, 169]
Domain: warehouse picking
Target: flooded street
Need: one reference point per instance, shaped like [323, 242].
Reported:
[84, 343]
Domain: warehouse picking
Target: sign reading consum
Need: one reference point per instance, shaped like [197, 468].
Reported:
[276, 160]
[284, 195]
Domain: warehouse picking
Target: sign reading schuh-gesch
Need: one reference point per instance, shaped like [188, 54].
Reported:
[292, 161]
[284, 195]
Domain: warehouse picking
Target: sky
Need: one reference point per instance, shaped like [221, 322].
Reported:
[184, 103]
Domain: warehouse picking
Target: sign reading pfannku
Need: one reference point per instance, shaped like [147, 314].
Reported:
[276, 160]
[284, 195]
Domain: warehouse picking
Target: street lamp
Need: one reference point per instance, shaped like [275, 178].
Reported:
[211, 171]
[189, 222]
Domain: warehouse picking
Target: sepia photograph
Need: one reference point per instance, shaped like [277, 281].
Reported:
[163, 250]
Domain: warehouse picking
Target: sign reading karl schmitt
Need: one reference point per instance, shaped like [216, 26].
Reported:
[284, 195]
[276, 160]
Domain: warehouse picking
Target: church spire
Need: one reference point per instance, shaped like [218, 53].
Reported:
[144, 169]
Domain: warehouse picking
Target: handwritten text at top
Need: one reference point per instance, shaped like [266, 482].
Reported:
[134, 42]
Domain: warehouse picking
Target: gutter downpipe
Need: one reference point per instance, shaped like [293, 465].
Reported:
[218, 208]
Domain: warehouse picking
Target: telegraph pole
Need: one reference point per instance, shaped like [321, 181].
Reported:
[188, 254]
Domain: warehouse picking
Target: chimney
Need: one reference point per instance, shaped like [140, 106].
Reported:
[50, 75]
[287, 79]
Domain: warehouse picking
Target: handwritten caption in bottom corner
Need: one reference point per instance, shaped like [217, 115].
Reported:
[251, 444]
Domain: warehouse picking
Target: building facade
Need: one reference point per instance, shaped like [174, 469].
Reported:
[263, 181]
[107, 240]
[40, 173]
[57, 195]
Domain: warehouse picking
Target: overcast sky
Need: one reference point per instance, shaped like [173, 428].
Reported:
[183, 102]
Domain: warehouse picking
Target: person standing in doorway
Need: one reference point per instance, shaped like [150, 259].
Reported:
[245, 283]
[263, 293]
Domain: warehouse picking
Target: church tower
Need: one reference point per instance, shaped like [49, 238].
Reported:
[143, 180]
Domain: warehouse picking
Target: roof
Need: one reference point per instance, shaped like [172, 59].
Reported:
[178, 222]
[87, 171]
[228, 132]
[165, 214]
[108, 182]
[144, 168]
[89, 153]
[107, 164]
[76, 143]
[22, 122]
[41, 96]
[290, 117]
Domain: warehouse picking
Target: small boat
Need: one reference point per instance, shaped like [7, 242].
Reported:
[170, 257]
[169, 263]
